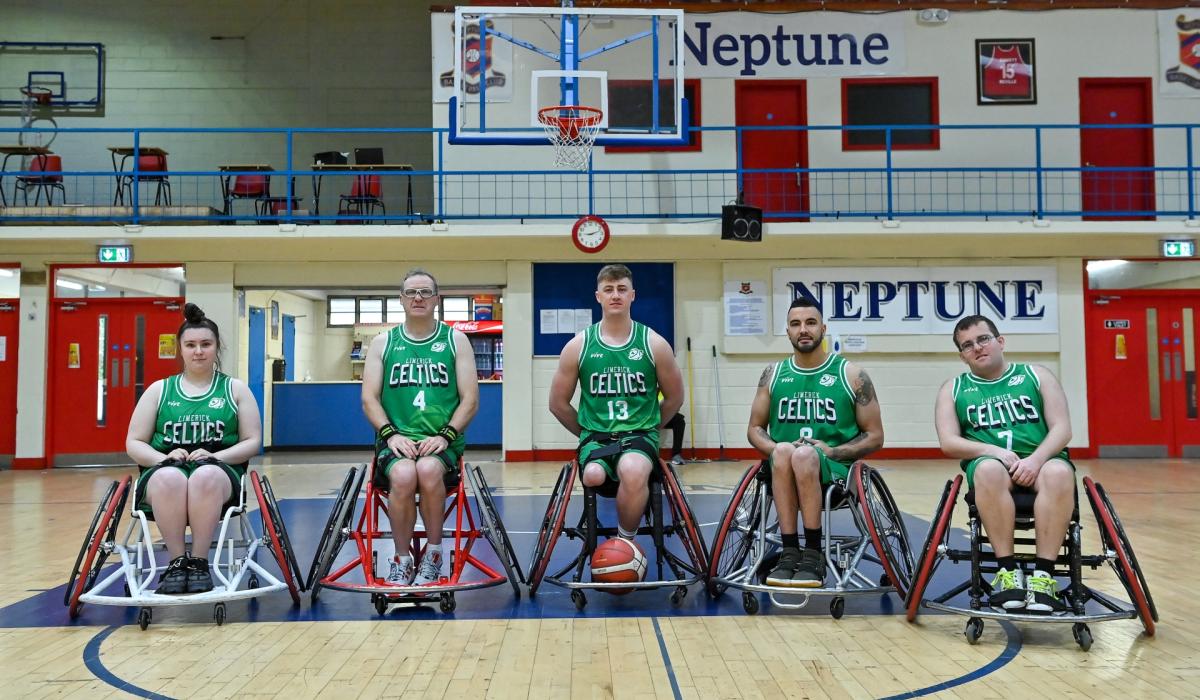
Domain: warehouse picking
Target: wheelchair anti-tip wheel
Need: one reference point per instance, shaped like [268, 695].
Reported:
[885, 525]
[336, 530]
[1112, 534]
[493, 530]
[735, 532]
[273, 528]
[684, 520]
[551, 527]
[939, 534]
[96, 544]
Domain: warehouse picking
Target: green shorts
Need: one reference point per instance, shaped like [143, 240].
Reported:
[831, 470]
[385, 459]
[235, 473]
[614, 445]
[970, 465]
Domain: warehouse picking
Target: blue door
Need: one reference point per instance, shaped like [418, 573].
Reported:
[289, 347]
[258, 355]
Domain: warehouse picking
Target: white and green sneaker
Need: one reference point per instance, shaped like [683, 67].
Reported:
[1042, 596]
[1008, 589]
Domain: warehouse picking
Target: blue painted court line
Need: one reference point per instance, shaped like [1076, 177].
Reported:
[662, 647]
[91, 659]
[1011, 649]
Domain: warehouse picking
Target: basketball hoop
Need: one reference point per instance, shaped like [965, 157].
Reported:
[37, 95]
[572, 131]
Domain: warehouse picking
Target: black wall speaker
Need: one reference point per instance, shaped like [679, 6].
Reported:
[741, 223]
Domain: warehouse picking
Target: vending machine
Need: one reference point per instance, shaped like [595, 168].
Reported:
[488, 342]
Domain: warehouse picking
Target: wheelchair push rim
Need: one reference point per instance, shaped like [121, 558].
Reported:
[334, 535]
[494, 531]
[885, 525]
[681, 511]
[274, 530]
[95, 552]
[1114, 538]
[740, 549]
[930, 556]
[552, 525]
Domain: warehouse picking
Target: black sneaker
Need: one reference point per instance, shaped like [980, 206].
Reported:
[174, 578]
[781, 575]
[199, 579]
[810, 572]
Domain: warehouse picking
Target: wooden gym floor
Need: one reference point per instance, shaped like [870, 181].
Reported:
[635, 646]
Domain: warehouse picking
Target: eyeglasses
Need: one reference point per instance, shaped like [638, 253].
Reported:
[423, 292]
[981, 342]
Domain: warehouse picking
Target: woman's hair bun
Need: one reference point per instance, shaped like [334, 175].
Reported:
[193, 313]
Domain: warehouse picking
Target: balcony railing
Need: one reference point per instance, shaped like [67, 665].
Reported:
[978, 172]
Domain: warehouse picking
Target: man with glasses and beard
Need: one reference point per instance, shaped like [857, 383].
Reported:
[1009, 425]
[419, 393]
[814, 414]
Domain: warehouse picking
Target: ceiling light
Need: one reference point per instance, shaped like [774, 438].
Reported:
[68, 284]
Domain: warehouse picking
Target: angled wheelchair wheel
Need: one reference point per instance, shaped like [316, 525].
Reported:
[1112, 533]
[735, 531]
[885, 525]
[97, 544]
[685, 520]
[939, 533]
[551, 526]
[493, 530]
[334, 535]
[273, 528]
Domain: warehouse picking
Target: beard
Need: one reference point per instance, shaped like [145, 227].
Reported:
[817, 341]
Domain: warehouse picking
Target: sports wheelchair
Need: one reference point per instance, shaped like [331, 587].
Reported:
[747, 544]
[663, 480]
[367, 532]
[1116, 551]
[234, 558]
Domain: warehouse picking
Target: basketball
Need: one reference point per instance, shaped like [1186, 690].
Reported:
[618, 561]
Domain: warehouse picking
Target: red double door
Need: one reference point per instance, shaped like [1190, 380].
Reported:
[1142, 374]
[103, 355]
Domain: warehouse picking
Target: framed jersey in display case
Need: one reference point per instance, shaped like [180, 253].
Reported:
[1004, 72]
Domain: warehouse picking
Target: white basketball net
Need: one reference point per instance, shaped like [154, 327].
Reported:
[572, 131]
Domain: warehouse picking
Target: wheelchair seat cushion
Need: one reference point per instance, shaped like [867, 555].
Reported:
[385, 459]
[235, 472]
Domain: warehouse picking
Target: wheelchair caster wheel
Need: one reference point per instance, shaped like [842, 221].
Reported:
[678, 595]
[380, 602]
[144, 617]
[750, 603]
[447, 603]
[1083, 635]
[973, 630]
[253, 580]
[837, 608]
[219, 613]
[716, 590]
[579, 599]
[884, 581]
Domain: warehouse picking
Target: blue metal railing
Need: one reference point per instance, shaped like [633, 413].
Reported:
[1029, 176]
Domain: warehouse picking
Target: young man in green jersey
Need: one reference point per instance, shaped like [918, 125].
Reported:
[813, 415]
[620, 366]
[1009, 425]
[419, 392]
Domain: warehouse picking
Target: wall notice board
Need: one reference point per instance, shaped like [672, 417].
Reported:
[560, 287]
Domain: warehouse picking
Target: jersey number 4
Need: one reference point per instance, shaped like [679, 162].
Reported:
[419, 400]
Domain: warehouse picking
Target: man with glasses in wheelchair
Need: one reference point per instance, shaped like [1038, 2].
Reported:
[813, 415]
[419, 393]
[1008, 423]
[620, 366]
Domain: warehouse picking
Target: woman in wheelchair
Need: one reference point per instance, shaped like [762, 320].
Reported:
[191, 435]
[1009, 425]
[813, 415]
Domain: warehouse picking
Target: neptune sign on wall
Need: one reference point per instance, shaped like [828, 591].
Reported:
[797, 45]
[919, 300]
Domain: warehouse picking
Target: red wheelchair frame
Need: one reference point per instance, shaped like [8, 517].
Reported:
[367, 532]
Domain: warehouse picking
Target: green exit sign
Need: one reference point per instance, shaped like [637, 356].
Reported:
[115, 254]
[1179, 249]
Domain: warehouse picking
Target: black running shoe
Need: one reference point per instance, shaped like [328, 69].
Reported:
[781, 575]
[174, 579]
[199, 578]
[810, 572]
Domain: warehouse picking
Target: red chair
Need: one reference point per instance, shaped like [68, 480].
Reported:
[49, 179]
[152, 168]
[256, 187]
[365, 195]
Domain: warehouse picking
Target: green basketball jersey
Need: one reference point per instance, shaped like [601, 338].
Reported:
[813, 403]
[1005, 412]
[618, 386]
[208, 421]
[420, 386]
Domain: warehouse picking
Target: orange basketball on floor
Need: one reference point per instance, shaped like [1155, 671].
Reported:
[618, 561]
